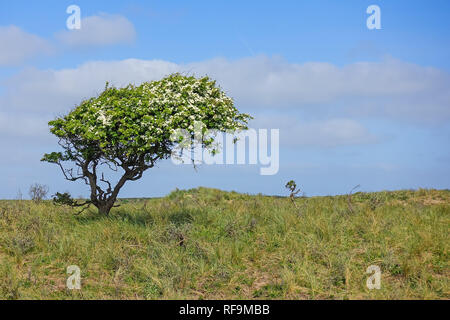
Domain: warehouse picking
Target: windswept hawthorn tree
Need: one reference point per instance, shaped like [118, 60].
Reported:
[130, 129]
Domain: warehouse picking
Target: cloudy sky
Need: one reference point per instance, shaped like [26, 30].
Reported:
[353, 105]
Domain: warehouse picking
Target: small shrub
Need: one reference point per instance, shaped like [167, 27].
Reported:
[38, 192]
[20, 244]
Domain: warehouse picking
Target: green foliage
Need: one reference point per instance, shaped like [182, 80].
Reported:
[54, 157]
[291, 185]
[63, 199]
[139, 120]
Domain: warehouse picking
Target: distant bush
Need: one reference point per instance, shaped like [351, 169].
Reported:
[38, 192]
[292, 187]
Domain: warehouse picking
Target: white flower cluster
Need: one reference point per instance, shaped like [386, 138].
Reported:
[103, 118]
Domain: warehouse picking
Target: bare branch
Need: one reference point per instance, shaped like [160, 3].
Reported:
[109, 190]
[349, 198]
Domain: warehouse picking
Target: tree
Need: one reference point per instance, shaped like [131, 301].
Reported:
[130, 129]
[292, 187]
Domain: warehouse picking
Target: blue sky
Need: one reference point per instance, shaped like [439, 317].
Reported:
[353, 105]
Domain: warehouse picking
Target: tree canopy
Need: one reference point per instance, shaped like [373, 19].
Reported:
[131, 128]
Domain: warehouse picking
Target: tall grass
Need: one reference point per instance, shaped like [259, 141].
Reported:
[210, 244]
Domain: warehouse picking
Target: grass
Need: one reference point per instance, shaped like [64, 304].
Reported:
[209, 244]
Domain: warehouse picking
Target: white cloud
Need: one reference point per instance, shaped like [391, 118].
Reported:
[332, 132]
[390, 89]
[18, 45]
[58, 90]
[104, 29]
[22, 125]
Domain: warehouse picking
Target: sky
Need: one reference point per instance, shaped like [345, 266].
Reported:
[353, 105]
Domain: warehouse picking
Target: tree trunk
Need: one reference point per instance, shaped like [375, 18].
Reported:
[104, 209]
[103, 205]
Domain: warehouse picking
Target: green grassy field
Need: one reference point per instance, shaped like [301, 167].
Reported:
[210, 244]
